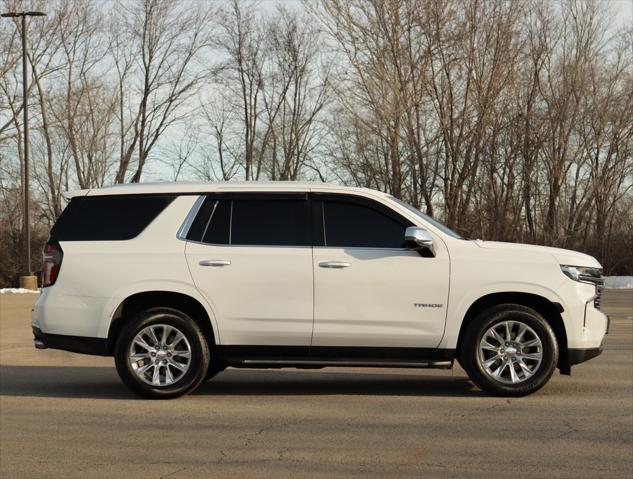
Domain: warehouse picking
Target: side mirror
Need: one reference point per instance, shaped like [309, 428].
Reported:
[421, 237]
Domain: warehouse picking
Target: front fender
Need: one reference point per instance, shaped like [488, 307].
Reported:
[459, 306]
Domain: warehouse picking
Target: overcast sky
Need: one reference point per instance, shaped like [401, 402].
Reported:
[623, 10]
[157, 171]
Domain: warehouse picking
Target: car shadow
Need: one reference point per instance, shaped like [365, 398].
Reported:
[62, 382]
[290, 382]
[104, 383]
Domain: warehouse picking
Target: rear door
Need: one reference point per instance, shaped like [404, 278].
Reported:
[251, 257]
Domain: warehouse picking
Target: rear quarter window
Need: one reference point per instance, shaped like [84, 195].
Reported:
[108, 218]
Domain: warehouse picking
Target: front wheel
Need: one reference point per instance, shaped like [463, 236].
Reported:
[162, 353]
[509, 350]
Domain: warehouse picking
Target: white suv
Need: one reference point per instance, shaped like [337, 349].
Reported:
[178, 281]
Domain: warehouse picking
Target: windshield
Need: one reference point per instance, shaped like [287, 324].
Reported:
[437, 224]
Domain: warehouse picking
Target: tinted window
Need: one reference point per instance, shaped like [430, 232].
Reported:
[108, 218]
[318, 231]
[196, 230]
[256, 220]
[434, 222]
[212, 223]
[270, 222]
[354, 224]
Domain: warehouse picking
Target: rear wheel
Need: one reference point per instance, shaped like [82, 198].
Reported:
[509, 350]
[162, 353]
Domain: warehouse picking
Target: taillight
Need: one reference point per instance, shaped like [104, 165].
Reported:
[52, 255]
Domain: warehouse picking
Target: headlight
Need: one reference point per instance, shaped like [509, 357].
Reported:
[582, 273]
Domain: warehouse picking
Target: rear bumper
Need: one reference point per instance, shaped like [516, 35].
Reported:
[577, 356]
[72, 315]
[75, 344]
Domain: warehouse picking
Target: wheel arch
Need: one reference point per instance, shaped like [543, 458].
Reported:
[551, 311]
[146, 299]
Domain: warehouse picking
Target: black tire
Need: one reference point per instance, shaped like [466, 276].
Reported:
[200, 355]
[471, 360]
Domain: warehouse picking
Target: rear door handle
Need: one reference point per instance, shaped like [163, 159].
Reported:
[214, 262]
[334, 264]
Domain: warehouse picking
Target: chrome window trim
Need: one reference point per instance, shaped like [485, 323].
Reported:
[364, 248]
[183, 231]
[217, 245]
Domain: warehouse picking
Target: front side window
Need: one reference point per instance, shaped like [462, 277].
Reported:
[443, 228]
[350, 223]
[257, 221]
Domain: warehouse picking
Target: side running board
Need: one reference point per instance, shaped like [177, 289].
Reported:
[356, 362]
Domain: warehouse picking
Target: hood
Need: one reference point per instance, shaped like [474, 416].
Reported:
[562, 256]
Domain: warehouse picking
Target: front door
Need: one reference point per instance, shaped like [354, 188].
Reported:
[251, 257]
[369, 289]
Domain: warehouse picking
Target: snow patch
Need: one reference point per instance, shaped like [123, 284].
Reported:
[18, 291]
[618, 282]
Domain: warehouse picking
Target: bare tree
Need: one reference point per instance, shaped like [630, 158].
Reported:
[221, 160]
[271, 91]
[507, 120]
[241, 40]
[376, 95]
[160, 75]
[295, 94]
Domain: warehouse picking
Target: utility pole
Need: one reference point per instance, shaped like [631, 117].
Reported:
[27, 280]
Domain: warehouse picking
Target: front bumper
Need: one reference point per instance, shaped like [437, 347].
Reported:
[577, 356]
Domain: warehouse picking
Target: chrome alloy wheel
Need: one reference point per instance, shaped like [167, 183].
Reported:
[160, 355]
[510, 352]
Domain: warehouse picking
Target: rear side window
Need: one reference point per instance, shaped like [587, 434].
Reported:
[213, 222]
[108, 218]
[257, 221]
[270, 222]
[359, 224]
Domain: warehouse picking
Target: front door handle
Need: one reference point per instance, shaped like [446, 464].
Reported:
[334, 264]
[214, 262]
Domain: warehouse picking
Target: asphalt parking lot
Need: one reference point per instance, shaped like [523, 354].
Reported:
[68, 416]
